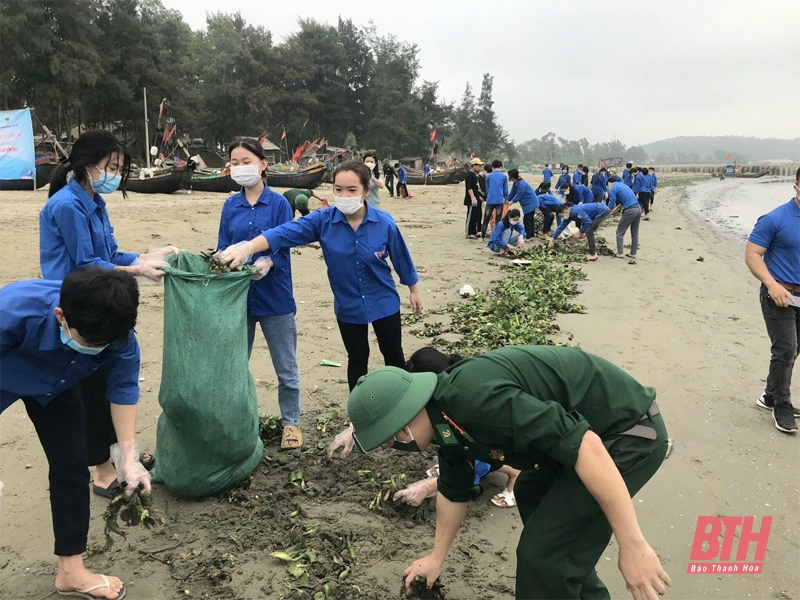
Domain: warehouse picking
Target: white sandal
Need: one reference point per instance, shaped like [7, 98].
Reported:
[87, 596]
[507, 497]
[433, 471]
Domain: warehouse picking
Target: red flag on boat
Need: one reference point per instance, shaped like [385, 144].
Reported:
[299, 151]
[168, 133]
[728, 157]
[433, 136]
[283, 137]
[161, 108]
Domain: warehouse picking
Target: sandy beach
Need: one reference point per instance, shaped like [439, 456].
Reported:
[690, 328]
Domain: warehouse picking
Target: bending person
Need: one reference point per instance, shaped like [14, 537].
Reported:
[631, 216]
[522, 192]
[588, 216]
[552, 412]
[270, 300]
[54, 335]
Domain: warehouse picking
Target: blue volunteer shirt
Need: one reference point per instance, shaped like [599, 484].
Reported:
[496, 241]
[599, 184]
[523, 193]
[271, 295]
[580, 194]
[358, 268]
[35, 363]
[653, 180]
[582, 215]
[548, 175]
[402, 177]
[626, 178]
[496, 187]
[562, 180]
[779, 232]
[642, 183]
[549, 201]
[577, 178]
[74, 231]
[622, 194]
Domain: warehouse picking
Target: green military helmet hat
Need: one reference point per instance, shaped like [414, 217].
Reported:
[301, 202]
[385, 401]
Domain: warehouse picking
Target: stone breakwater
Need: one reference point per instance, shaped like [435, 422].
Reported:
[784, 169]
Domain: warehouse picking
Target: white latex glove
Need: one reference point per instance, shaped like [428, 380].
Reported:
[264, 264]
[414, 494]
[126, 461]
[343, 440]
[2, 488]
[158, 253]
[151, 269]
[235, 255]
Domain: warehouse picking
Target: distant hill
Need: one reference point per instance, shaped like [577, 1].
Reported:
[715, 149]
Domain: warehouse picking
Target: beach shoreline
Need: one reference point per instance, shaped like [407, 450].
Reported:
[690, 328]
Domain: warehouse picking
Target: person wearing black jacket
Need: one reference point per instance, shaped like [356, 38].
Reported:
[388, 177]
[473, 199]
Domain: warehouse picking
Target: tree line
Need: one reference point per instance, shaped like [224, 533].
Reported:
[85, 62]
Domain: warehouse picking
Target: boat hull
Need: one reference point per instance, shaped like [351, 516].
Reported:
[165, 182]
[213, 182]
[305, 180]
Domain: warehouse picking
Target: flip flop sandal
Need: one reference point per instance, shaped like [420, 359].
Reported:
[110, 492]
[87, 596]
[291, 439]
[433, 471]
[508, 499]
[630, 256]
[591, 259]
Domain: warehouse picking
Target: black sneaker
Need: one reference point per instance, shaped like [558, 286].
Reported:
[767, 402]
[784, 419]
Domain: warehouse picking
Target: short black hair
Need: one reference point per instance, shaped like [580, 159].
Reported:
[566, 186]
[580, 166]
[100, 304]
[603, 169]
[563, 207]
[430, 360]
[496, 164]
[628, 165]
[634, 169]
[513, 173]
[545, 186]
[487, 167]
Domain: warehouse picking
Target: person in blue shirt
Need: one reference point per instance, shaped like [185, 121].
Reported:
[626, 175]
[75, 231]
[600, 185]
[549, 205]
[426, 172]
[563, 179]
[588, 216]
[642, 187]
[773, 257]
[496, 194]
[578, 194]
[402, 181]
[631, 216]
[522, 192]
[270, 300]
[653, 185]
[54, 334]
[547, 174]
[357, 242]
[577, 176]
[508, 235]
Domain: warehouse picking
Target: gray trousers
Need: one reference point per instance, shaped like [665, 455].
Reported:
[630, 218]
[783, 327]
[591, 229]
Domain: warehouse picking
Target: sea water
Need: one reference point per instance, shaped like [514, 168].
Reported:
[734, 205]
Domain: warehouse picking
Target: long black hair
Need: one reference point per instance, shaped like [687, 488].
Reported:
[430, 360]
[512, 214]
[88, 150]
[249, 144]
[375, 171]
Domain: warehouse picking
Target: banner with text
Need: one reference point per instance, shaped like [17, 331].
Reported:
[17, 155]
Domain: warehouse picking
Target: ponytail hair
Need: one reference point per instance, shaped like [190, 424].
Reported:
[512, 214]
[88, 150]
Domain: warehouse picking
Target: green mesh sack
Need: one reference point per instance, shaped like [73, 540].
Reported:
[207, 437]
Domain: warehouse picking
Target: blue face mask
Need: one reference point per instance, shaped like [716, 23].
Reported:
[107, 183]
[68, 341]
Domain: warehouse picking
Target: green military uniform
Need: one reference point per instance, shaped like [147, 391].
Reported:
[298, 200]
[529, 407]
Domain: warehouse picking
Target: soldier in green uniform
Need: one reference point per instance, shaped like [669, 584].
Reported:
[586, 435]
[298, 200]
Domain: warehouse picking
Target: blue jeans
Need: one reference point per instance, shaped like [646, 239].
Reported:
[281, 334]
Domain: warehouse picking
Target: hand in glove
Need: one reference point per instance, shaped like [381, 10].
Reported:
[414, 494]
[264, 264]
[343, 440]
[236, 254]
[126, 461]
[151, 269]
[158, 253]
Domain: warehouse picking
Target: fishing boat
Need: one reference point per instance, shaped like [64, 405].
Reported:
[435, 178]
[160, 180]
[735, 171]
[304, 179]
[44, 167]
[213, 181]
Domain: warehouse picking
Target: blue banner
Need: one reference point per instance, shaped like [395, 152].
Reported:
[17, 156]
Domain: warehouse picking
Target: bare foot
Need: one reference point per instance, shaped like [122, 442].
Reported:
[82, 579]
[591, 257]
[105, 474]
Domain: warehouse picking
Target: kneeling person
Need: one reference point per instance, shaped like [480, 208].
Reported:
[585, 434]
[504, 240]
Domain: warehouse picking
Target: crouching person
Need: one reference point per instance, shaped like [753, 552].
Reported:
[508, 235]
[54, 334]
[586, 435]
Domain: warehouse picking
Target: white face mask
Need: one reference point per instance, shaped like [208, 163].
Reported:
[797, 192]
[370, 166]
[348, 206]
[246, 175]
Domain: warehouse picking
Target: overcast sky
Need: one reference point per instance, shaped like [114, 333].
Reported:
[638, 72]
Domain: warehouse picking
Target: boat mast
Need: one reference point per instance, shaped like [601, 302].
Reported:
[146, 131]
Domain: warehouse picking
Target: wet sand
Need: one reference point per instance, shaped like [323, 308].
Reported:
[691, 329]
